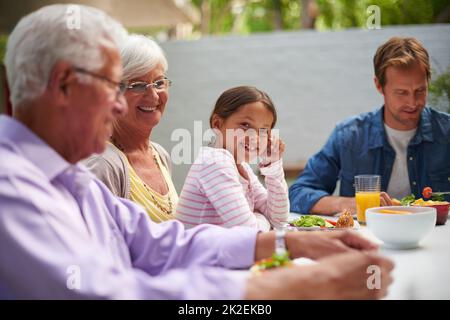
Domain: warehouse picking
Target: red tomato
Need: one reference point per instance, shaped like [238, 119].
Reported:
[426, 192]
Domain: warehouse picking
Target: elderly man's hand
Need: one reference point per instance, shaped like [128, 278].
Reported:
[342, 276]
[355, 275]
[316, 245]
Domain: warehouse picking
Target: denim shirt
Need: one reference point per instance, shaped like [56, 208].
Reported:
[359, 146]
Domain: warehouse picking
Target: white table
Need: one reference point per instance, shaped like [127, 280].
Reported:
[421, 273]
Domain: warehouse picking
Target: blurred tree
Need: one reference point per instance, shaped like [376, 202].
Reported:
[440, 91]
[277, 15]
[216, 16]
[205, 11]
[352, 13]
[309, 13]
[3, 40]
[219, 16]
[247, 16]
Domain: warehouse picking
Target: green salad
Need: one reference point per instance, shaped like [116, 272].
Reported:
[408, 200]
[275, 261]
[311, 221]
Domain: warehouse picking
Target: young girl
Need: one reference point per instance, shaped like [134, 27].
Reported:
[221, 187]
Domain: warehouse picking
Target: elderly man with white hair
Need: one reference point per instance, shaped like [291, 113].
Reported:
[63, 234]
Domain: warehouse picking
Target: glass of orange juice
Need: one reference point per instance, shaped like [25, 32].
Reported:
[367, 194]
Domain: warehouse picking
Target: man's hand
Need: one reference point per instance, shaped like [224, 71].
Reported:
[385, 200]
[330, 205]
[343, 276]
[316, 245]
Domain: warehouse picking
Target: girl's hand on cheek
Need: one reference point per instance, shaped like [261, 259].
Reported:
[274, 152]
[277, 148]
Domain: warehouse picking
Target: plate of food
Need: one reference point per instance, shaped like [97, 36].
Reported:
[437, 201]
[319, 223]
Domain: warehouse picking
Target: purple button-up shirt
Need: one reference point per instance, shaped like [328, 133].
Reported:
[63, 234]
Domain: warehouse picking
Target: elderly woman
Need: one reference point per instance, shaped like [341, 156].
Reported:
[133, 166]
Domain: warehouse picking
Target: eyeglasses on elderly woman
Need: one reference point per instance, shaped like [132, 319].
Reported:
[141, 86]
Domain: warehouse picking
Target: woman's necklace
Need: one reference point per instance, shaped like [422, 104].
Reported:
[167, 211]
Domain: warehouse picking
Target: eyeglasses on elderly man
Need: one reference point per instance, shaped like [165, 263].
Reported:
[118, 86]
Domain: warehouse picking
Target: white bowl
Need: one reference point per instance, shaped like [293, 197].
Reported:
[401, 231]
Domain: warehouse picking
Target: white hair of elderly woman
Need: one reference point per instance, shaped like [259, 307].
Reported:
[140, 54]
[73, 33]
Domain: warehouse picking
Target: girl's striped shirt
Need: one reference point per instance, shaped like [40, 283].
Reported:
[214, 192]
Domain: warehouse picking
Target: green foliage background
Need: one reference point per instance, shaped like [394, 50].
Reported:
[3, 39]
[334, 14]
[440, 91]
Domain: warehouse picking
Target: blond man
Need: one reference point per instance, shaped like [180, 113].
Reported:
[405, 142]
